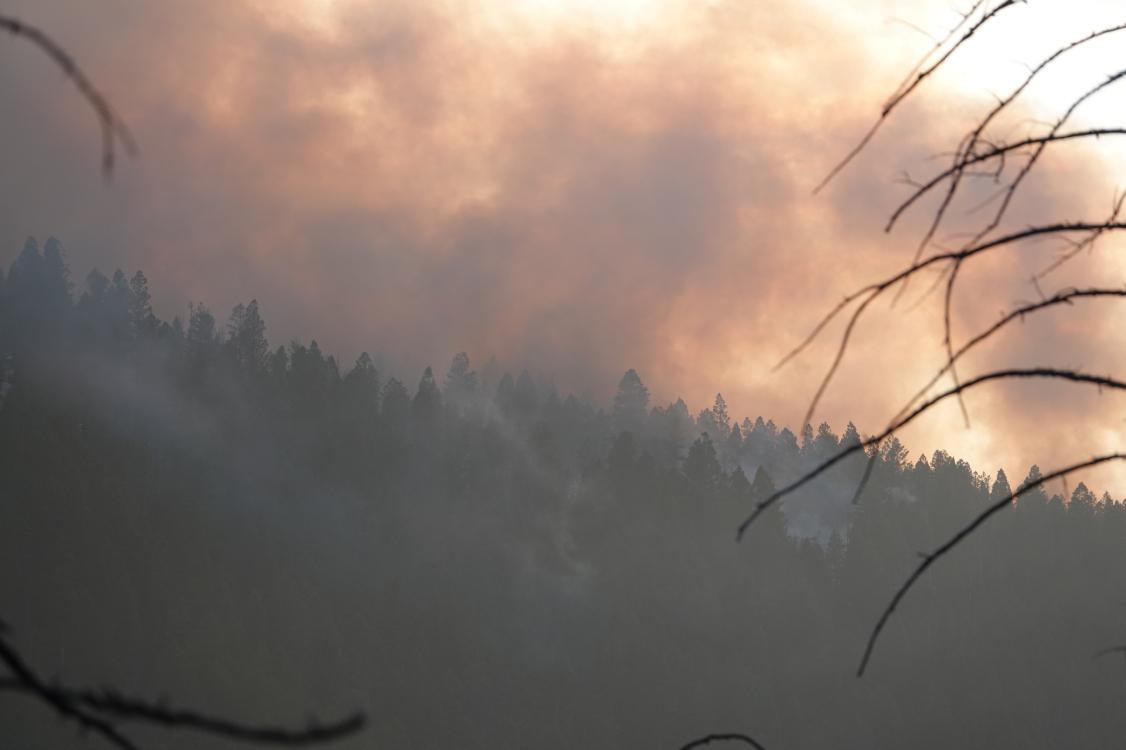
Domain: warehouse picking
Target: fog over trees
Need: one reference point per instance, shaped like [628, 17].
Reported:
[478, 560]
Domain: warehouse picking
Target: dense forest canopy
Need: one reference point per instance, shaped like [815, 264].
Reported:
[482, 561]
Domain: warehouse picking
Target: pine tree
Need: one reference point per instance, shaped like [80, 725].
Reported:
[631, 402]
[56, 278]
[722, 418]
[1035, 496]
[622, 460]
[246, 339]
[1001, 488]
[426, 406]
[361, 387]
[738, 485]
[732, 447]
[461, 383]
[395, 406]
[701, 466]
[141, 317]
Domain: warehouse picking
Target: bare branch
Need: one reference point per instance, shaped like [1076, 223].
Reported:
[1011, 374]
[970, 141]
[114, 130]
[1087, 243]
[1109, 651]
[969, 144]
[730, 737]
[1027, 168]
[1065, 297]
[913, 81]
[995, 152]
[947, 339]
[98, 710]
[930, 558]
[31, 683]
[870, 292]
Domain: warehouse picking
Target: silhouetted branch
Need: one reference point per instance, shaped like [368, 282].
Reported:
[970, 141]
[1011, 374]
[977, 155]
[995, 152]
[914, 79]
[1085, 244]
[869, 293]
[1010, 191]
[1109, 651]
[930, 558]
[99, 710]
[731, 737]
[29, 682]
[1065, 297]
[113, 129]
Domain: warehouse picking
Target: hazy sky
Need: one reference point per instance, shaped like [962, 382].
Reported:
[575, 187]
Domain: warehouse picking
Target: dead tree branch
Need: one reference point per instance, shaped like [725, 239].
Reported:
[920, 73]
[970, 141]
[730, 737]
[100, 711]
[931, 558]
[114, 130]
[868, 294]
[1044, 373]
[978, 154]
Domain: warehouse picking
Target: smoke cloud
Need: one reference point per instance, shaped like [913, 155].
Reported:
[574, 196]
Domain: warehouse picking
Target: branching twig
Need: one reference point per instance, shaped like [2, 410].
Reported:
[99, 711]
[917, 76]
[31, 683]
[930, 558]
[1010, 374]
[977, 154]
[995, 152]
[1065, 297]
[869, 293]
[969, 143]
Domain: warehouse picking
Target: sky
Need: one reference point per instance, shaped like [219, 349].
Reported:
[579, 188]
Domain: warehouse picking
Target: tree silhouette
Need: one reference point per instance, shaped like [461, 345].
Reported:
[45, 277]
[981, 152]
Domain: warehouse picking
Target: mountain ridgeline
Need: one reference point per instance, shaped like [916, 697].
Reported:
[480, 561]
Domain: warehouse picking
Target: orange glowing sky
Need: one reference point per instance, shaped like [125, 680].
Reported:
[577, 187]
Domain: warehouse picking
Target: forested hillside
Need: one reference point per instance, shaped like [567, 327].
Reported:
[479, 560]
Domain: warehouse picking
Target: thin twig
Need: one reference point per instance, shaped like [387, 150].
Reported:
[995, 152]
[870, 292]
[1065, 297]
[99, 711]
[971, 140]
[1047, 373]
[31, 683]
[930, 558]
[909, 86]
